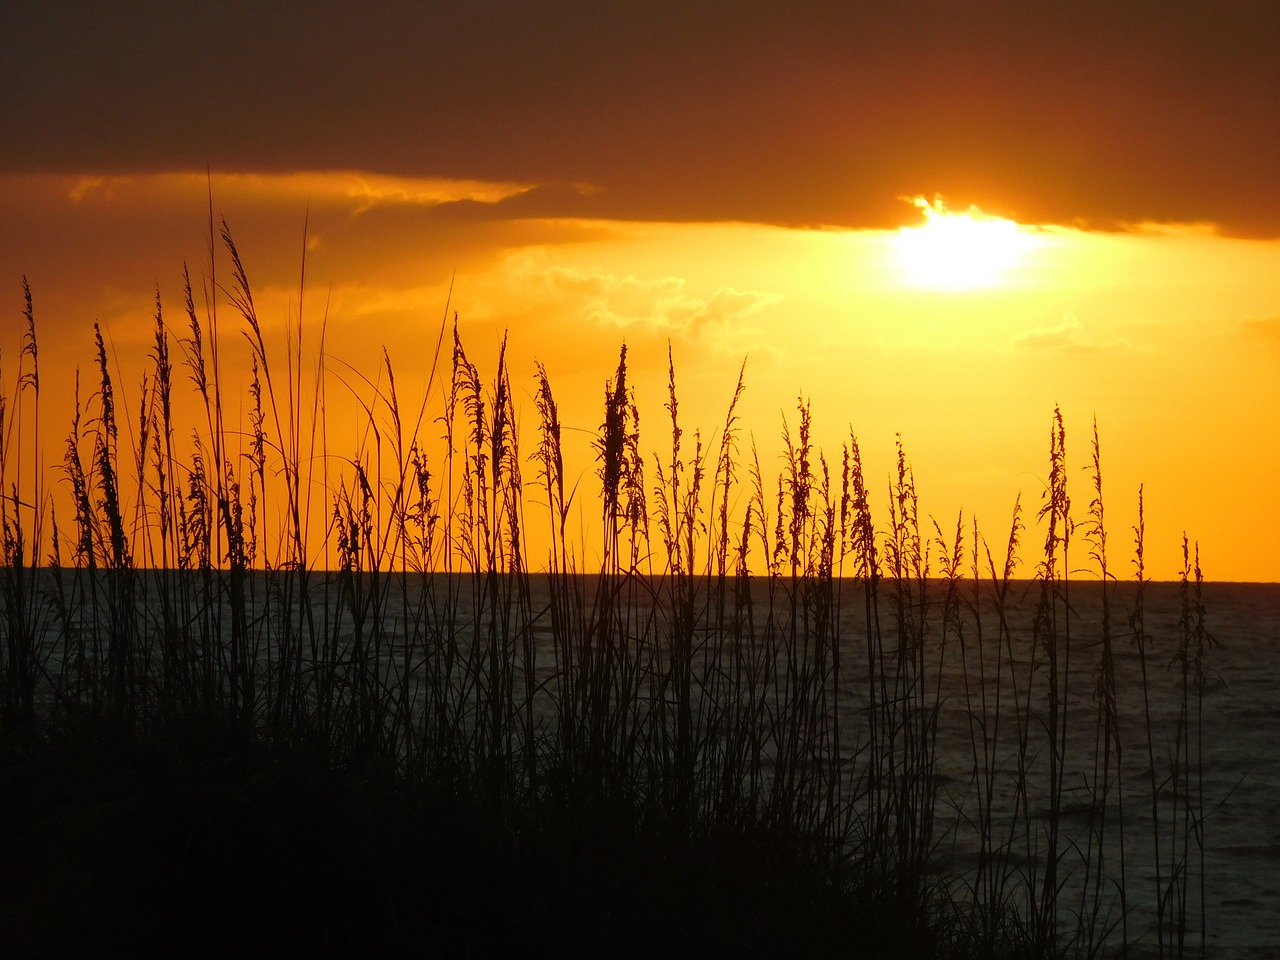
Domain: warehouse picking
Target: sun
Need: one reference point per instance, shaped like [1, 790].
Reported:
[953, 251]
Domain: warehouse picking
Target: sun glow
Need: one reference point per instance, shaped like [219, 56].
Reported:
[952, 251]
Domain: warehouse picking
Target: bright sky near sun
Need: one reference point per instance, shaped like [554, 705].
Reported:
[893, 214]
[956, 250]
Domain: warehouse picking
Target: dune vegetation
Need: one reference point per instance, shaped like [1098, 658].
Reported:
[717, 730]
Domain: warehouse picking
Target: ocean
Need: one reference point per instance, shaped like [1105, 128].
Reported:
[1159, 826]
[1233, 741]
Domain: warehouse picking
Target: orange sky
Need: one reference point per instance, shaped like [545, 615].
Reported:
[732, 185]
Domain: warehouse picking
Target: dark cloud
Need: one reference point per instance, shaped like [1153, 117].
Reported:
[800, 113]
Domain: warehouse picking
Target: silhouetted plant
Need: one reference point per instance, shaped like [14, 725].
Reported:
[739, 654]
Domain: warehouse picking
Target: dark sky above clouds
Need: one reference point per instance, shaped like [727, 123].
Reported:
[795, 112]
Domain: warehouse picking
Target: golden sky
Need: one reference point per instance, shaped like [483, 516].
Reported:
[729, 179]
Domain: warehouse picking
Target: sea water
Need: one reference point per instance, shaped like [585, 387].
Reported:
[1208, 745]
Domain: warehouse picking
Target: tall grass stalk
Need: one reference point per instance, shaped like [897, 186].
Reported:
[734, 652]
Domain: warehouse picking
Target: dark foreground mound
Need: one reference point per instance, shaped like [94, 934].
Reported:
[211, 849]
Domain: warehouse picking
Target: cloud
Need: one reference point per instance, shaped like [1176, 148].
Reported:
[718, 318]
[136, 231]
[823, 114]
[354, 190]
[1063, 334]
[1068, 335]
[662, 305]
[95, 187]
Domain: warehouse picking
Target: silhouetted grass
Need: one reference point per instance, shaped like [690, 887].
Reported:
[718, 729]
